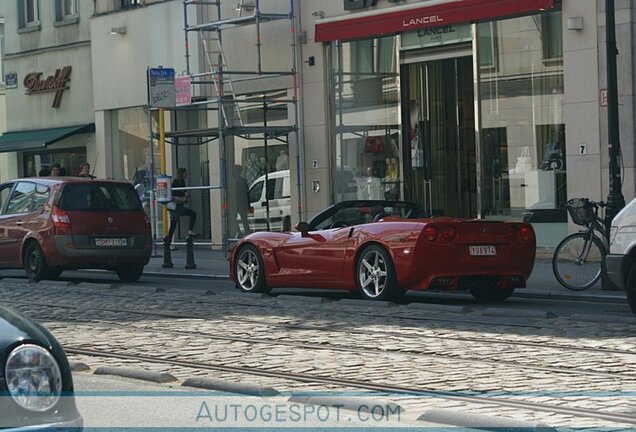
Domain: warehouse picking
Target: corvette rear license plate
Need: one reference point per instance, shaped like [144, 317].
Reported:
[482, 250]
[111, 242]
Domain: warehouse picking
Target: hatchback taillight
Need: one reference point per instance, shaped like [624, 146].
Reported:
[61, 221]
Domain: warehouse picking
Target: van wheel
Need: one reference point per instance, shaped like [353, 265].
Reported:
[130, 273]
[630, 289]
[35, 264]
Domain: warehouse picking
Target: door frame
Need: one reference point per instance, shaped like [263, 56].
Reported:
[423, 55]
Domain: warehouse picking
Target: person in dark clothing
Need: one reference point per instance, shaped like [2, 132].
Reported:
[180, 199]
[85, 171]
[242, 198]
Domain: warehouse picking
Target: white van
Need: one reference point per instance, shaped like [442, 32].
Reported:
[275, 198]
[620, 263]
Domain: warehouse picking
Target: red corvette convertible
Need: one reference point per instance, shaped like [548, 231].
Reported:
[384, 248]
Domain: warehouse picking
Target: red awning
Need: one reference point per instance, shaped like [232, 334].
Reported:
[435, 14]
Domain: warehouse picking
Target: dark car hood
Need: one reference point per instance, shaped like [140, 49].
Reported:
[15, 328]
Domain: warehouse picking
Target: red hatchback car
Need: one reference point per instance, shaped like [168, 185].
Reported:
[52, 224]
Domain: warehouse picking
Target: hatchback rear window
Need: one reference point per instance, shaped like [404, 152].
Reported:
[99, 197]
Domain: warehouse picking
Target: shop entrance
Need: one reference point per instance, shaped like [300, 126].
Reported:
[440, 164]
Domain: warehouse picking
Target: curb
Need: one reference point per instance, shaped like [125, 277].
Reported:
[15, 280]
[441, 308]
[603, 318]
[479, 421]
[186, 275]
[229, 387]
[505, 312]
[91, 285]
[144, 375]
[78, 366]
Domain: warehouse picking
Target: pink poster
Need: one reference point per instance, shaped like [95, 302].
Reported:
[182, 90]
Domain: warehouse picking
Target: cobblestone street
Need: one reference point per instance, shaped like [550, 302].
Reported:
[576, 373]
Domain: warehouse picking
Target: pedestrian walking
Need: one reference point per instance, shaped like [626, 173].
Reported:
[180, 199]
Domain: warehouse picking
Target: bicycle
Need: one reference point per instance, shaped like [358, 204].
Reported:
[577, 260]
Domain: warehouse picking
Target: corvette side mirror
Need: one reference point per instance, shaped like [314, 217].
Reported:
[303, 227]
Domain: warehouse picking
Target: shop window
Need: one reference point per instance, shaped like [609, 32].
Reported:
[29, 14]
[368, 156]
[552, 37]
[523, 164]
[488, 42]
[66, 10]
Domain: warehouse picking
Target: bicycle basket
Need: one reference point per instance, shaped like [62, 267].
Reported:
[581, 211]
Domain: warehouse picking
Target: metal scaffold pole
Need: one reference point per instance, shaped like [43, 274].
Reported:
[231, 124]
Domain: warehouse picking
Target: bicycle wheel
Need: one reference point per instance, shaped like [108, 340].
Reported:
[571, 271]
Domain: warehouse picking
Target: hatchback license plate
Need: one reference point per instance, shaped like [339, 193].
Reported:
[482, 250]
[111, 242]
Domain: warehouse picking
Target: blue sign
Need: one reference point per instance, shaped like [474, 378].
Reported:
[161, 73]
[161, 92]
[11, 80]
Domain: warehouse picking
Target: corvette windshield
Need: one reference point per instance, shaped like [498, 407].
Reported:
[361, 212]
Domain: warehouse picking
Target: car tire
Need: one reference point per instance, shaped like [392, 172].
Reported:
[55, 272]
[250, 270]
[491, 294]
[630, 289]
[375, 275]
[130, 273]
[35, 264]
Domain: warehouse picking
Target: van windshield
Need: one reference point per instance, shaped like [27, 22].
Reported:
[99, 197]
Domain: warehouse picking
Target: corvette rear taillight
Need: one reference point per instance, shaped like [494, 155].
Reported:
[526, 233]
[513, 232]
[449, 233]
[430, 233]
[61, 221]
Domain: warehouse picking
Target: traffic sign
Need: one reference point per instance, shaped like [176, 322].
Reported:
[161, 91]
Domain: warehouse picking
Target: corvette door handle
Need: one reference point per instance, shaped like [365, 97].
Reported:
[19, 223]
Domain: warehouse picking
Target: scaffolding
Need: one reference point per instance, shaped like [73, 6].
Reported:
[228, 104]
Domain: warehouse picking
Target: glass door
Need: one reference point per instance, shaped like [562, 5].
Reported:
[441, 167]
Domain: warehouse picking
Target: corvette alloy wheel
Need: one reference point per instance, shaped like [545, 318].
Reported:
[250, 275]
[375, 275]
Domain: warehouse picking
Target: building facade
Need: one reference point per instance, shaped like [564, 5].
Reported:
[48, 81]
[481, 108]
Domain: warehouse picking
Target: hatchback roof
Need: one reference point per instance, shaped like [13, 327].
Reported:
[59, 180]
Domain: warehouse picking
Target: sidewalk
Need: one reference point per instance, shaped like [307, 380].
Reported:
[212, 264]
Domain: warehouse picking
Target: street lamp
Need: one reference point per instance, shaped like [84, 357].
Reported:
[615, 199]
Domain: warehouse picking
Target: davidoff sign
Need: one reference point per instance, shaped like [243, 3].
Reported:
[53, 83]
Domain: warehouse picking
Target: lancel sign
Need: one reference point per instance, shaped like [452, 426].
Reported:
[57, 83]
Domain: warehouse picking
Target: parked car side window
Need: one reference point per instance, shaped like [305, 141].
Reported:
[40, 197]
[4, 196]
[20, 201]
[275, 188]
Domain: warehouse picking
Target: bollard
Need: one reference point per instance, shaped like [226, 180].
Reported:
[190, 253]
[167, 258]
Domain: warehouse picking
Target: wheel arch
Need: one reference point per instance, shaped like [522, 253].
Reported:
[362, 247]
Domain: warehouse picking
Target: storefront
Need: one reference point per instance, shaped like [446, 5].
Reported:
[459, 108]
[48, 81]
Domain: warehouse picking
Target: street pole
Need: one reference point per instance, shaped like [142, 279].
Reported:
[615, 199]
